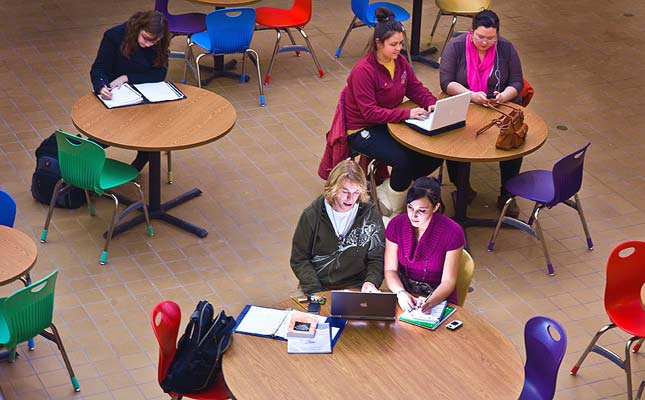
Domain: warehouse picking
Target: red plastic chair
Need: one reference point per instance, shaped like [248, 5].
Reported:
[165, 320]
[625, 278]
[526, 93]
[281, 19]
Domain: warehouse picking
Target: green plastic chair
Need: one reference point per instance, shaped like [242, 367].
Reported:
[28, 312]
[83, 165]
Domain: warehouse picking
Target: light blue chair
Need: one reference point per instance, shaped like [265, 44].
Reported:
[228, 31]
[364, 16]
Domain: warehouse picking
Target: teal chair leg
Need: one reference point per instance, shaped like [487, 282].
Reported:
[56, 338]
[52, 205]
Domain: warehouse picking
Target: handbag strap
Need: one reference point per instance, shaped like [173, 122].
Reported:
[483, 129]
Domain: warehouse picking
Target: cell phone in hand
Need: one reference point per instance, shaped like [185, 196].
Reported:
[454, 325]
[490, 96]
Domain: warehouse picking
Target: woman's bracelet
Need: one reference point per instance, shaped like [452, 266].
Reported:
[399, 291]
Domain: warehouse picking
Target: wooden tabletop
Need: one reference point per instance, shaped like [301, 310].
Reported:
[381, 360]
[463, 144]
[18, 253]
[225, 3]
[201, 118]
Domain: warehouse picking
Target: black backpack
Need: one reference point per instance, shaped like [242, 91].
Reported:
[47, 174]
[198, 360]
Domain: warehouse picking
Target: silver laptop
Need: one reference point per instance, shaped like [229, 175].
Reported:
[449, 113]
[359, 305]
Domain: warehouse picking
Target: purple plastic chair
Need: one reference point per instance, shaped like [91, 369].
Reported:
[546, 189]
[182, 24]
[544, 355]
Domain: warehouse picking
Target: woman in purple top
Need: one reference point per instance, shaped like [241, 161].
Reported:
[376, 87]
[488, 65]
[423, 249]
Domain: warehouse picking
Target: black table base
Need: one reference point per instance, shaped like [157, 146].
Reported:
[156, 209]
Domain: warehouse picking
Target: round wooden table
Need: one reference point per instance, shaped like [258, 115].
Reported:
[381, 360]
[463, 144]
[18, 254]
[201, 118]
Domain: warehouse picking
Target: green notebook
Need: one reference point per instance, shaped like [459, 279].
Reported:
[432, 325]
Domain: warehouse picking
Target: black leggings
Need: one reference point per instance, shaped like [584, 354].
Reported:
[507, 170]
[407, 165]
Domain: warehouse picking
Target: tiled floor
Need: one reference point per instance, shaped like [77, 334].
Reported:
[584, 58]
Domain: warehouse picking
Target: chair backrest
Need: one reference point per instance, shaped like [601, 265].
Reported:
[80, 160]
[301, 11]
[526, 93]
[165, 320]
[544, 354]
[29, 310]
[7, 209]
[360, 7]
[230, 29]
[465, 276]
[162, 7]
[625, 278]
[463, 6]
[567, 176]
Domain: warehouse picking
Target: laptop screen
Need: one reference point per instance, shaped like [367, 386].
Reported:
[359, 305]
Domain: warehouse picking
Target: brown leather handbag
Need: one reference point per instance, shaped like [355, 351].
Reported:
[512, 128]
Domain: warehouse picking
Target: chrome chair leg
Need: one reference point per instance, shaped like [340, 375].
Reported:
[169, 167]
[293, 41]
[257, 67]
[639, 394]
[538, 230]
[104, 254]
[491, 243]
[371, 170]
[407, 47]
[342, 42]
[276, 48]
[90, 205]
[601, 331]
[583, 220]
[63, 353]
[452, 29]
[311, 50]
[145, 209]
[52, 205]
[199, 76]
[434, 27]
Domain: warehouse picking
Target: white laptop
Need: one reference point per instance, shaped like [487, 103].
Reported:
[358, 305]
[449, 113]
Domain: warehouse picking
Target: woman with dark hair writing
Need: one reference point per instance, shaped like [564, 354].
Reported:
[136, 52]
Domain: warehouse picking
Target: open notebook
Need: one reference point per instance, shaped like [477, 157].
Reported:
[131, 94]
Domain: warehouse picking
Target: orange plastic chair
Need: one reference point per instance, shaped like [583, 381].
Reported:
[165, 320]
[280, 20]
[623, 304]
[527, 93]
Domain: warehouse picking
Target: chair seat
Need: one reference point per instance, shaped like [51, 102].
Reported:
[629, 317]
[187, 24]
[280, 17]
[216, 391]
[400, 14]
[534, 185]
[202, 40]
[116, 173]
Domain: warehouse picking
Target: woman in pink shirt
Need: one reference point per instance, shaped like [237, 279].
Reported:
[376, 87]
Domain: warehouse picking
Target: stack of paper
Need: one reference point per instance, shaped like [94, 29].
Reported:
[431, 321]
[318, 344]
[159, 91]
[123, 95]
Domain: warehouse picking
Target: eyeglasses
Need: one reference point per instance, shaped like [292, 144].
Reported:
[484, 40]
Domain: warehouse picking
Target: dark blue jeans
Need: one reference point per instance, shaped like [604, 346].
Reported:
[407, 165]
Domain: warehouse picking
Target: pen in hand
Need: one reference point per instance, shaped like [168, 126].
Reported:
[105, 91]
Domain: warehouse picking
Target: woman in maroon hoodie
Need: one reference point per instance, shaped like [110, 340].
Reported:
[375, 89]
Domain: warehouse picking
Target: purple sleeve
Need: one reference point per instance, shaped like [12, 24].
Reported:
[393, 230]
[415, 90]
[363, 88]
[515, 78]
